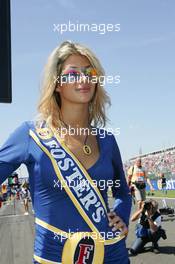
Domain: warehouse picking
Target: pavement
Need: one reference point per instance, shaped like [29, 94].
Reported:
[17, 234]
[17, 237]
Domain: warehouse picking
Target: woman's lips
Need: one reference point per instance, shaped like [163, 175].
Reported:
[83, 90]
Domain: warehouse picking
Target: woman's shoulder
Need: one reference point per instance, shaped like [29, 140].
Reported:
[22, 130]
[24, 126]
[32, 124]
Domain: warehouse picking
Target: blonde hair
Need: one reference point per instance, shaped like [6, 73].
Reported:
[49, 106]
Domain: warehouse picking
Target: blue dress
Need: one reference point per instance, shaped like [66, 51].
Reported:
[52, 205]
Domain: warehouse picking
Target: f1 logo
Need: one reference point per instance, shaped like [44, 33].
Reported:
[84, 253]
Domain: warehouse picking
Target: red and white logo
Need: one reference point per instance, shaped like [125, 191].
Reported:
[84, 253]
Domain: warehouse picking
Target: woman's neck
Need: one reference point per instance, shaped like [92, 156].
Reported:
[75, 115]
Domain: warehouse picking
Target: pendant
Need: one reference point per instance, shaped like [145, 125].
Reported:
[87, 150]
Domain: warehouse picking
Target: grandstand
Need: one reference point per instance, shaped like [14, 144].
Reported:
[156, 162]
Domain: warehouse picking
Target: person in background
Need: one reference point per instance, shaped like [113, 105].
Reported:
[163, 182]
[4, 192]
[25, 197]
[148, 228]
[12, 193]
[137, 179]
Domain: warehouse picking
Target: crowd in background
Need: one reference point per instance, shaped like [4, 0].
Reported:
[157, 162]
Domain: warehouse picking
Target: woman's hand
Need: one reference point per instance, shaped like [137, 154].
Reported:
[117, 223]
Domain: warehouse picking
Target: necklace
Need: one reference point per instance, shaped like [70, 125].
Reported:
[86, 148]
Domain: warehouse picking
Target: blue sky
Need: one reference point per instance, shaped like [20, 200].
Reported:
[142, 53]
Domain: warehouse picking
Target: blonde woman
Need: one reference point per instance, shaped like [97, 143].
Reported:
[68, 154]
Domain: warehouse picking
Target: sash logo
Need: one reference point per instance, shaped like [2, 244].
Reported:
[76, 181]
[84, 253]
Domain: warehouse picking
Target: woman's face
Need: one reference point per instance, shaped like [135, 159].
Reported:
[72, 88]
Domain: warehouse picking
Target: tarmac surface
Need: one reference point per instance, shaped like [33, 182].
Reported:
[17, 236]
